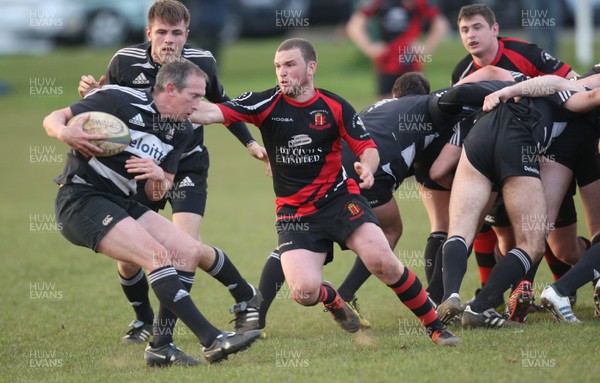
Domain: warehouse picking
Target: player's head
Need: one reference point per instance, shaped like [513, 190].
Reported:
[482, 10]
[180, 85]
[478, 29]
[168, 22]
[295, 66]
[410, 83]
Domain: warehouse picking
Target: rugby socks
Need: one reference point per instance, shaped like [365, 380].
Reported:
[436, 285]
[557, 267]
[413, 295]
[483, 246]
[271, 281]
[164, 325]
[357, 276]
[327, 294]
[136, 291]
[434, 242]
[455, 253]
[225, 272]
[508, 272]
[584, 271]
[173, 295]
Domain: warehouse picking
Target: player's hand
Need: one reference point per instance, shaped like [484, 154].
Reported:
[88, 82]
[260, 153]
[146, 169]
[365, 174]
[376, 50]
[74, 136]
[491, 101]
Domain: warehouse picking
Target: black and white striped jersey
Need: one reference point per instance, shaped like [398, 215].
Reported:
[152, 137]
[134, 67]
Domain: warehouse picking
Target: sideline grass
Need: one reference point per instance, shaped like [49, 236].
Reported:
[62, 311]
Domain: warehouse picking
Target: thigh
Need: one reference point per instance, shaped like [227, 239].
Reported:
[183, 250]
[436, 204]
[556, 179]
[302, 269]
[390, 221]
[471, 192]
[526, 207]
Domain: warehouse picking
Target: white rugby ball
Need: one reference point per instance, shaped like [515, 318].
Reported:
[116, 131]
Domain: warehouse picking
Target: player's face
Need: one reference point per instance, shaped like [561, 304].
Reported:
[167, 40]
[294, 75]
[478, 37]
[184, 102]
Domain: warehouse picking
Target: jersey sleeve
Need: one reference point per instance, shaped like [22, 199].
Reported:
[112, 71]
[250, 107]
[353, 130]
[543, 62]
[97, 101]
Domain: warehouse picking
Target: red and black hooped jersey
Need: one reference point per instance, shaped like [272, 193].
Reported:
[303, 141]
[517, 56]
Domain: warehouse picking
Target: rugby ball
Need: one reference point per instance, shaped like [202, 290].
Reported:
[116, 132]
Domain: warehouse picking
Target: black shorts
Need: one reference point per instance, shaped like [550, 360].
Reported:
[577, 149]
[500, 145]
[190, 187]
[423, 163]
[384, 184]
[333, 222]
[567, 214]
[84, 214]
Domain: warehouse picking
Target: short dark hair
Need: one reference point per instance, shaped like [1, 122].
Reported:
[177, 73]
[306, 48]
[484, 10]
[170, 11]
[411, 83]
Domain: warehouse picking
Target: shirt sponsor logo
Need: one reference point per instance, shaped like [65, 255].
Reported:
[299, 140]
[282, 119]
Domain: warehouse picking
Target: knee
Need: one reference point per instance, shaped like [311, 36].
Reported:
[567, 254]
[387, 267]
[127, 270]
[306, 294]
[394, 233]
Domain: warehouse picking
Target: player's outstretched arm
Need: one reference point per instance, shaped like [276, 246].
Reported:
[534, 87]
[207, 113]
[73, 135]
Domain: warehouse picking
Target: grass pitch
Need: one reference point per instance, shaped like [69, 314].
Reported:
[62, 311]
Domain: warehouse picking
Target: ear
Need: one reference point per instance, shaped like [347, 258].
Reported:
[495, 29]
[170, 88]
[148, 32]
[311, 68]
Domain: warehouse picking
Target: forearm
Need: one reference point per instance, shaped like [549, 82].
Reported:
[241, 131]
[55, 122]
[207, 114]
[539, 87]
[370, 159]
[439, 29]
[357, 32]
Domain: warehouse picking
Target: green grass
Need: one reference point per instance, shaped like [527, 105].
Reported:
[62, 311]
